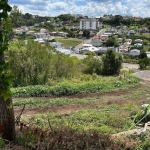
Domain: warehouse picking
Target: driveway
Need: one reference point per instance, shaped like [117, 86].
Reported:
[145, 74]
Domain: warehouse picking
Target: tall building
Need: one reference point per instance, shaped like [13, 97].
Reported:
[90, 24]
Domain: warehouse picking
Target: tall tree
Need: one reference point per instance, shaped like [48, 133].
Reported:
[7, 127]
[16, 16]
[112, 63]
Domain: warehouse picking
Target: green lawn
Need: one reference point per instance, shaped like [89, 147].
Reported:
[147, 35]
[69, 41]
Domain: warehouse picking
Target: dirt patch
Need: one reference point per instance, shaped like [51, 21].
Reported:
[55, 109]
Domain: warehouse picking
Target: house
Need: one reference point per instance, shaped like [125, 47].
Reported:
[148, 54]
[42, 30]
[124, 48]
[44, 36]
[138, 41]
[128, 40]
[102, 50]
[80, 33]
[120, 40]
[31, 32]
[62, 34]
[90, 24]
[138, 45]
[137, 18]
[96, 41]
[104, 38]
[21, 30]
[131, 33]
[135, 52]
[111, 30]
[64, 51]
[53, 33]
[87, 49]
[55, 44]
[86, 45]
[18, 31]
[122, 30]
[40, 40]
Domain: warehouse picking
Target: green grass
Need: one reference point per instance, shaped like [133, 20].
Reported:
[133, 27]
[87, 85]
[143, 35]
[109, 120]
[31, 102]
[69, 42]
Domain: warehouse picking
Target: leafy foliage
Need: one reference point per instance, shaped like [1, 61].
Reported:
[112, 63]
[2, 143]
[92, 65]
[112, 41]
[5, 75]
[38, 65]
[63, 89]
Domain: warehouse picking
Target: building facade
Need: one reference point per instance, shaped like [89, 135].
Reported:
[90, 24]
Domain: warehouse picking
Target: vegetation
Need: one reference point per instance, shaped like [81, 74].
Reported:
[2, 143]
[42, 74]
[112, 63]
[144, 60]
[93, 122]
[112, 42]
[89, 84]
[38, 65]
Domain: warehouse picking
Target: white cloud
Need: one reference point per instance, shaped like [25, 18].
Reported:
[91, 7]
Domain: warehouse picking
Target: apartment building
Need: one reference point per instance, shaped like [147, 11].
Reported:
[90, 24]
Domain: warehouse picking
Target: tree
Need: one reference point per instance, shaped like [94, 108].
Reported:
[112, 42]
[7, 127]
[16, 16]
[117, 20]
[112, 62]
[86, 33]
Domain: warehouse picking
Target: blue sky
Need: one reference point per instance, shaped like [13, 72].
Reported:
[85, 7]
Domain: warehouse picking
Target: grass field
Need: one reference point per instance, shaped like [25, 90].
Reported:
[147, 35]
[69, 42]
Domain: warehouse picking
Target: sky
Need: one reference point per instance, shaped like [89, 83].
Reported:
[84, 7]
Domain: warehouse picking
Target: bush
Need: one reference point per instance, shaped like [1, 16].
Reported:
[143, 63]
[92, 65]
[2, 143]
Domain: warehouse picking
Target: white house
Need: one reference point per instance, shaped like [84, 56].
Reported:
[90, 24]
[138, 40]
[138, 45]
[135, 52]
[148, 54]
[87, 49]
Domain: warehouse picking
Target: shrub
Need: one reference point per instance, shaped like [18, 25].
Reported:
[2, 143]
